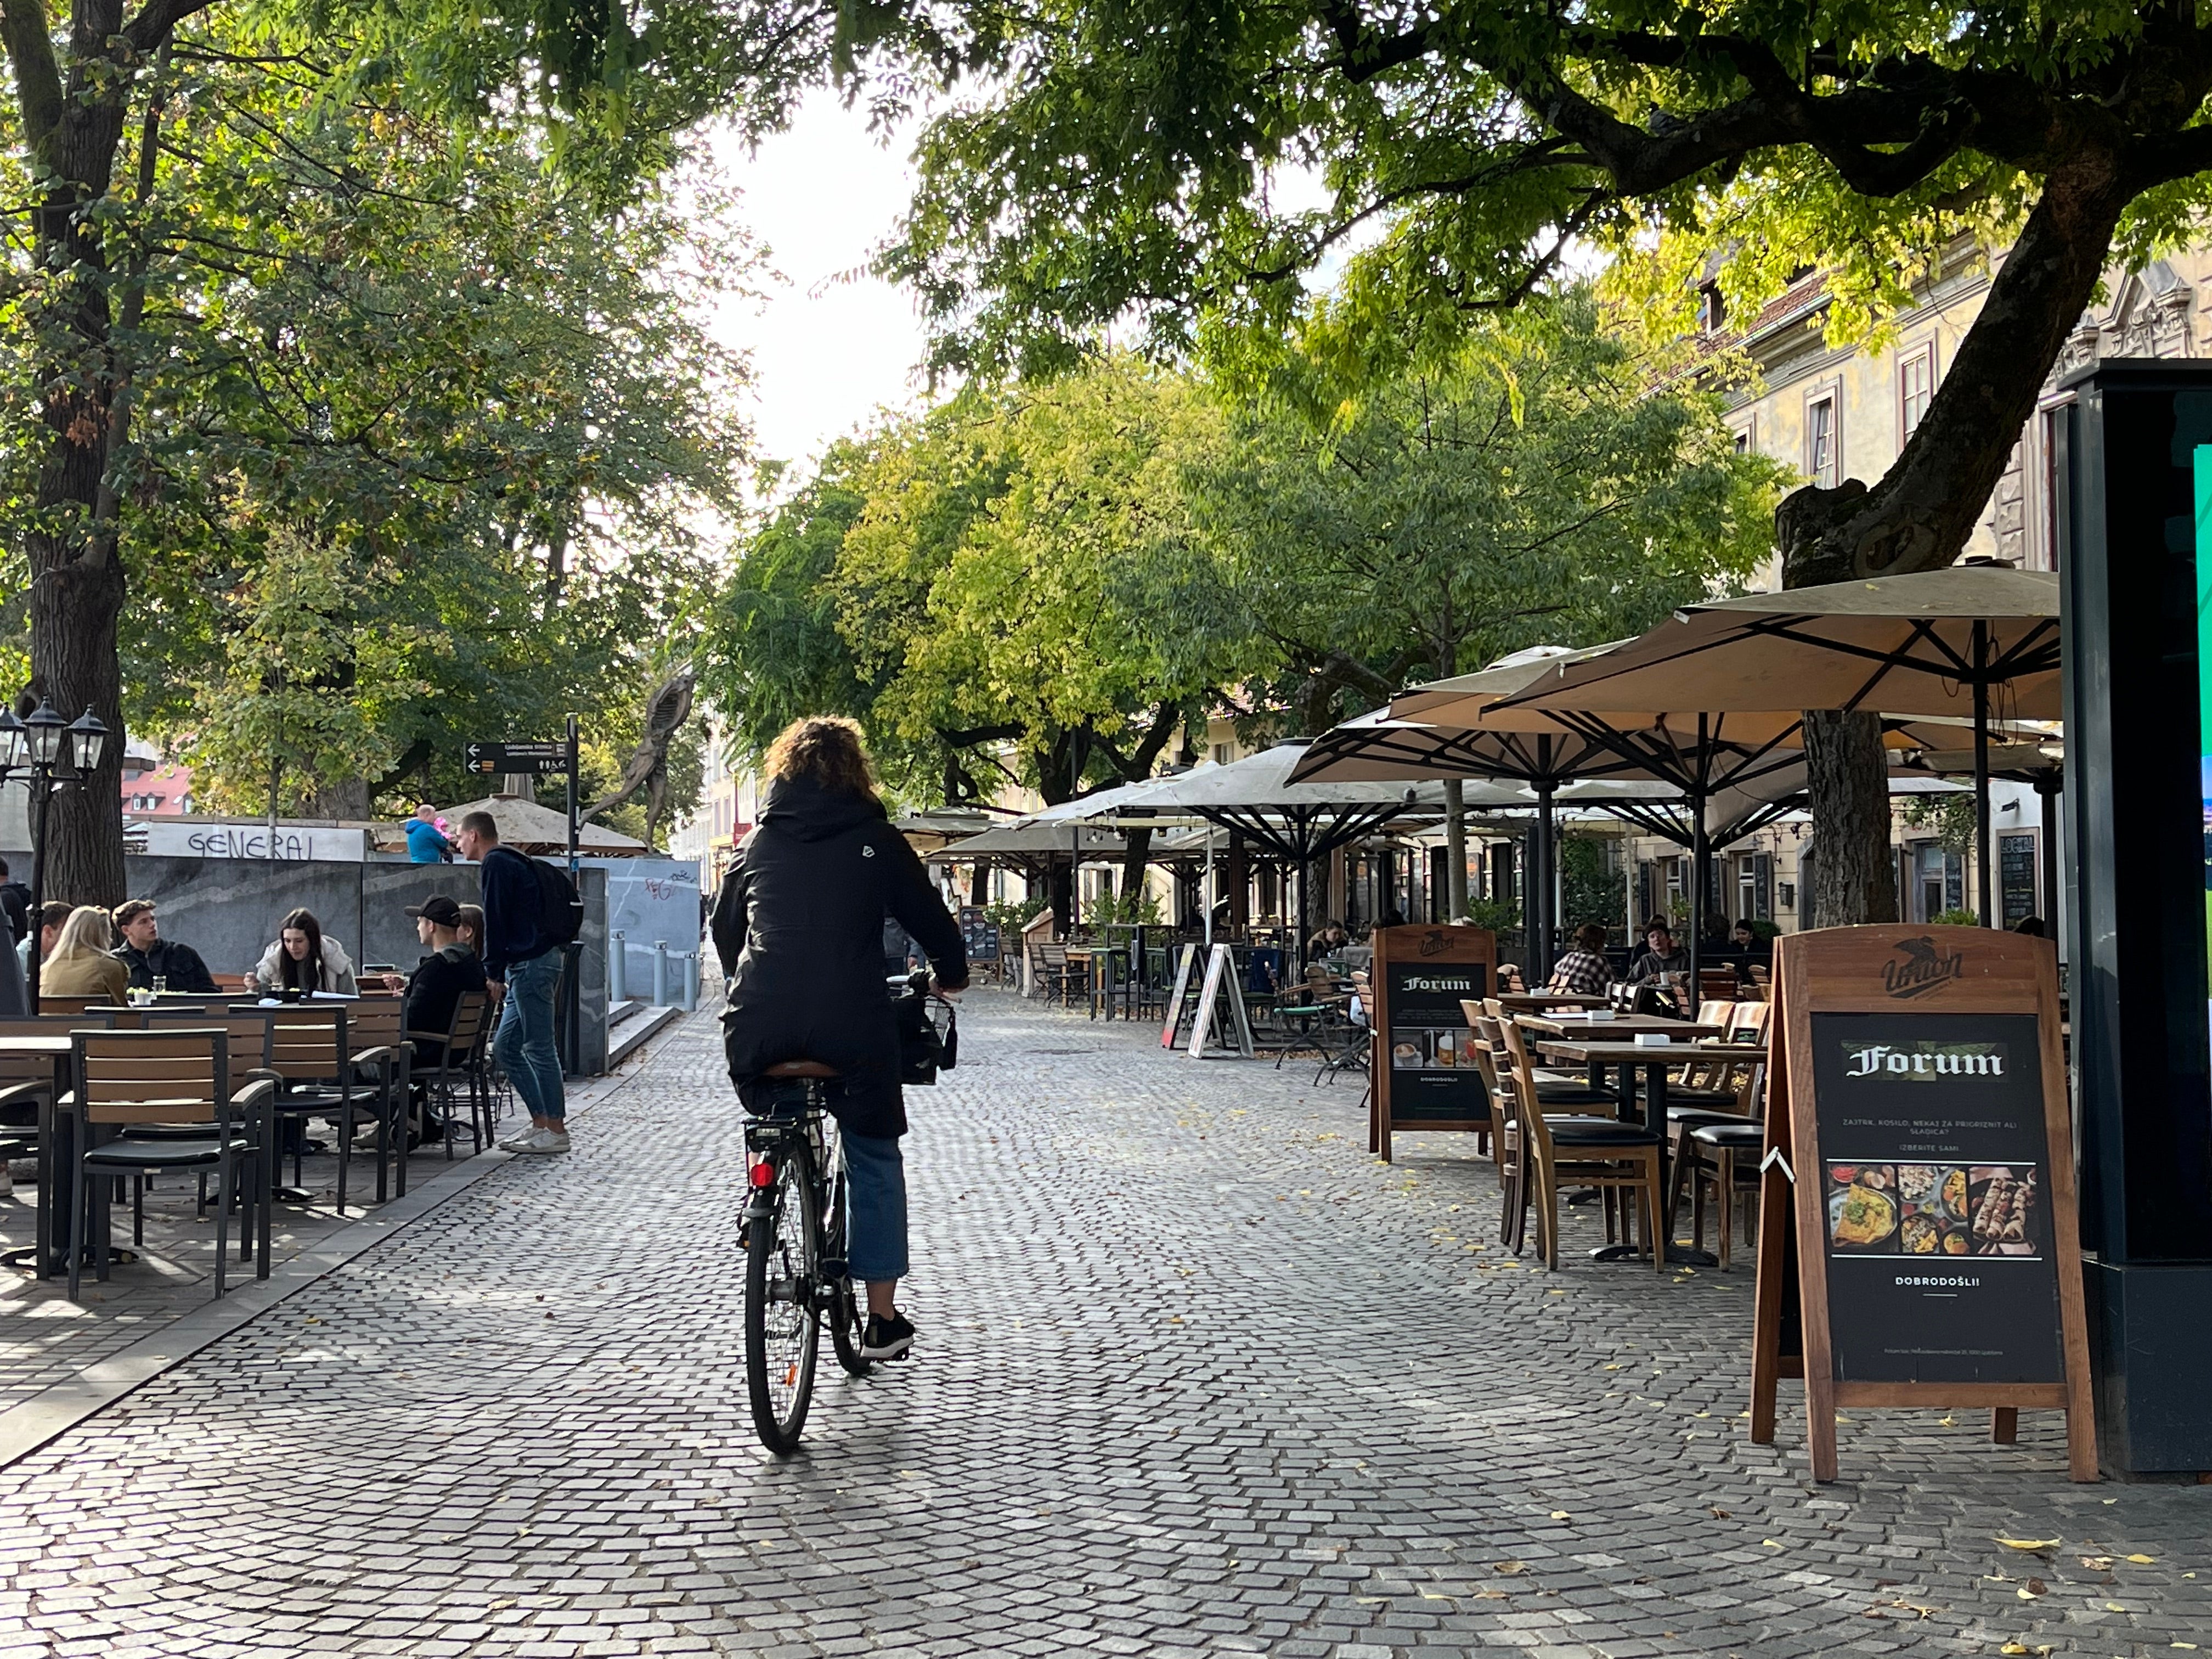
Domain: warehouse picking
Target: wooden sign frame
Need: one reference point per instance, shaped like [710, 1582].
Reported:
[1901, 971]
[1443, 946]
[1220, 975]
[1171, 1025]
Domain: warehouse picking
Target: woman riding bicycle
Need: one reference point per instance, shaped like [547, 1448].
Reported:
[799, 925]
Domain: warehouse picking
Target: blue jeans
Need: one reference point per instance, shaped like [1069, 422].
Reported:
[524, 1044]
[875, 1209]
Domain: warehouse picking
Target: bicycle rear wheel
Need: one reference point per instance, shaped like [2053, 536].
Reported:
[781, 1321]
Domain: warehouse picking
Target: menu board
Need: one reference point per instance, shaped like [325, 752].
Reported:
[1426, 1075]
[1937, 1190]
[977, 934]
[1919, 1144]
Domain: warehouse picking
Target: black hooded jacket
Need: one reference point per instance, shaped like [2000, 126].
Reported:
[799, 925]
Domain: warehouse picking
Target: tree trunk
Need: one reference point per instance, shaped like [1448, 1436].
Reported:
[1133, 862]
[1454, 849]
[1920, 514]
[1847, 776]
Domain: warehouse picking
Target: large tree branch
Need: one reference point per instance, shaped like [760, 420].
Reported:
[38, 77]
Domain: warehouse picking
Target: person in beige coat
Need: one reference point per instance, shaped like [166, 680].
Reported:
[81, 970]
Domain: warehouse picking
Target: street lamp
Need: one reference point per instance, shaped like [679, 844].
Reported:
[47, 754]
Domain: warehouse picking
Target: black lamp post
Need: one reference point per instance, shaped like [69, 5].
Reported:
[47, 754]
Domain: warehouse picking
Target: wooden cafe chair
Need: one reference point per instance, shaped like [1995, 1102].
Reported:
[176, 1080]
[1551, 1153]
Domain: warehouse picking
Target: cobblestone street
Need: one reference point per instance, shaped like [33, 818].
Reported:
[1196, 1374]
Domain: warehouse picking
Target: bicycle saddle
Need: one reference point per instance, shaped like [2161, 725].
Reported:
[801, 1069]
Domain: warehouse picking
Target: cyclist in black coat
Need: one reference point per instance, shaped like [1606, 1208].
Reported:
[799, 925]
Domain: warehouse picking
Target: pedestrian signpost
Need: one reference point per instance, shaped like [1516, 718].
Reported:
[498, 759]
[1919, 1138]
[542, 759]
[1425, 1071]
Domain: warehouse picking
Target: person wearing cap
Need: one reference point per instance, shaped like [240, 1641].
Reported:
[429, 993]
[147, 956]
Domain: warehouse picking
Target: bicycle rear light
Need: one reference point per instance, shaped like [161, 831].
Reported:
[763, 1174]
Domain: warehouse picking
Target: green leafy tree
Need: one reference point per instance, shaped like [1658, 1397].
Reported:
[1122, 163]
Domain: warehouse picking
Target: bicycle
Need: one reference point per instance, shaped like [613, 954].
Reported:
[795, 1272]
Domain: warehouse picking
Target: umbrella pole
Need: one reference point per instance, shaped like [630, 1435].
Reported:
[2047, 785]
[1546, 924]
[1982, 774]
[1205, 893]
[1701, 862]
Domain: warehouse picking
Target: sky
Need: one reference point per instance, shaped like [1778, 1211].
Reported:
[828, 348]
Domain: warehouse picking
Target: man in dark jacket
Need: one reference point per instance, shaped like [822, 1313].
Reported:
[149, 957]
[799, 925]
[523, 970]
[429, 994]
[16, 901]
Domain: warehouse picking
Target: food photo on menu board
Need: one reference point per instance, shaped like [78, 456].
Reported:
[1422, 1050]
[1935, 1181]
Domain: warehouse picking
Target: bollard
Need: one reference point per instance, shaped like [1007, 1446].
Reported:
[690, 983]
[617, 952]
[660, 973]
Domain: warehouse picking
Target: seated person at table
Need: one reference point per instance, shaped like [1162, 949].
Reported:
[1328, 941]
[1583, 970]
[50, 919]
[80, 969]
[468, 931]
[439, 982]
[146, 956]
[1661, 956]
[303, 960]
[1393, 917]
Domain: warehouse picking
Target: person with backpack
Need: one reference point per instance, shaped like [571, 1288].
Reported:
[530, 912]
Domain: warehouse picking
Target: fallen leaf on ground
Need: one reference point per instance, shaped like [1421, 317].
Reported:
[1509, 1567]
[2140, 1560]
[1718, 1513]
[1770, 1543]
[2096, 1562]
[1561, 1515]
[2031, 1543]
[2035, 1587]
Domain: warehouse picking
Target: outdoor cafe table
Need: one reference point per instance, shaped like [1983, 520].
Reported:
[1535, 1002]
[1653, 1060]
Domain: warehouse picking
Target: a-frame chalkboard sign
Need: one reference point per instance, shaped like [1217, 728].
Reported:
[1424, 1075]
[1919, 1244]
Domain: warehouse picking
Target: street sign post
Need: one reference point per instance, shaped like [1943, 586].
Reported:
[544, 759]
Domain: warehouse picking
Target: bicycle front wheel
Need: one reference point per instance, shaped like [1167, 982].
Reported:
[781, 1321]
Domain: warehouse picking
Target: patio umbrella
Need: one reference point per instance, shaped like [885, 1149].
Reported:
[1293, 821]
[1935, 642]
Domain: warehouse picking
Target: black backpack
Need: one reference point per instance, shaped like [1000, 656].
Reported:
[560, 906]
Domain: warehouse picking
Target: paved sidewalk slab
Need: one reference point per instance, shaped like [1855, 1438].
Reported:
[1197, 1376]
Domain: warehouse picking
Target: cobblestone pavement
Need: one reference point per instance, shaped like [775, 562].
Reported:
[44, 1337]
[1196, 1376]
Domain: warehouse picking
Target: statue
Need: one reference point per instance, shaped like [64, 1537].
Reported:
[647, 768]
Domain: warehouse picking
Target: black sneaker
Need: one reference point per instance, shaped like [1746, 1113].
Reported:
[886, 1339]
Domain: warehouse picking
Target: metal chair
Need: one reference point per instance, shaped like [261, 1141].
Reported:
[172, 1078]
[382, 1059]
[311, 1061]
[463, 1051]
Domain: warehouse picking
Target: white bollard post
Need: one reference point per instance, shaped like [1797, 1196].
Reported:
[690, 982]
[660, 973]
[617, 975]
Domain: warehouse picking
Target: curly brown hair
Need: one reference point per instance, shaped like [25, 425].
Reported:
[826, 748]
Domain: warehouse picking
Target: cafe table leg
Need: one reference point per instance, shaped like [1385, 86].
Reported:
[1654, 1113]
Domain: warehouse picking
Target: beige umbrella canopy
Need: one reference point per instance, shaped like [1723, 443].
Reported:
[1916, 644]
[1968, 641]
[529, 828]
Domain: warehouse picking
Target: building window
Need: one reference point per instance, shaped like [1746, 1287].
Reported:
[1916, 386]
[1712, 310]
[1822, 463]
